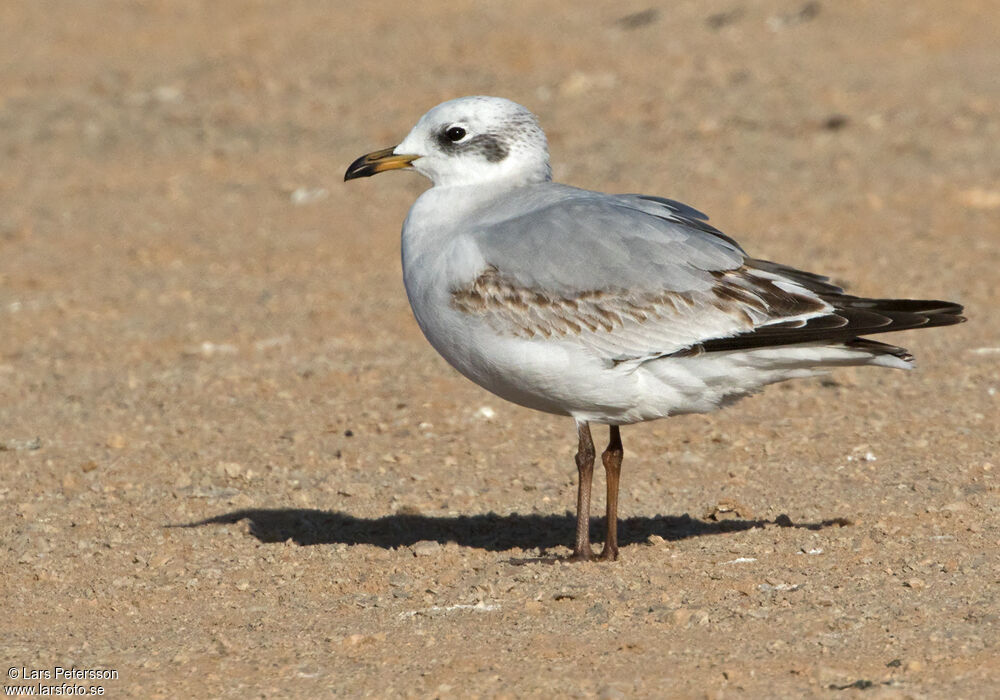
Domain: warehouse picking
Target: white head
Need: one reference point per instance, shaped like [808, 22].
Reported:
[468, 141]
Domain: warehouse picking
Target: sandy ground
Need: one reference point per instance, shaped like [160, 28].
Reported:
[200, 323]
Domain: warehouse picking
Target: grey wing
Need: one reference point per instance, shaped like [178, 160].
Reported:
[565, 240]
[630, 277]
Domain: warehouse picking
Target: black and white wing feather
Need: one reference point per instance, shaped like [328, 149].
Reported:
[636, 278]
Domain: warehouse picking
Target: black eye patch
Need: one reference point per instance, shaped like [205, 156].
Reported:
[490, 146]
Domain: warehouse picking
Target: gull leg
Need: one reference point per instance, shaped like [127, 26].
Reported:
[612, 459]
[585, 466]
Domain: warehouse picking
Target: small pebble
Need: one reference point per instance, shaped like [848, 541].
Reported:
[609, 692]
[425, 548]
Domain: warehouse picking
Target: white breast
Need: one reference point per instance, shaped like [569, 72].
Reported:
[556, 376]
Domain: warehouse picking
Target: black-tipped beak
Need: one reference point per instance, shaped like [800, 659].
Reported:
[377, 162]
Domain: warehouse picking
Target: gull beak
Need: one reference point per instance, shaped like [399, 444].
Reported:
[377, 162]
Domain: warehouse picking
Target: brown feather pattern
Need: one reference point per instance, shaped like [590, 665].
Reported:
[747, 296]
[528, 313]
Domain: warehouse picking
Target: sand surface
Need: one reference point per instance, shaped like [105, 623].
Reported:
[199, 322]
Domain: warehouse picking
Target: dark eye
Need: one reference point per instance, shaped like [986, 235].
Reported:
[455, 133]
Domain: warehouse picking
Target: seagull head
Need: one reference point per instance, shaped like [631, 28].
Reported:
[468, 141]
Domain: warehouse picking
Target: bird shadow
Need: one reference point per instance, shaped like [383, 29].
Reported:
[489, 531]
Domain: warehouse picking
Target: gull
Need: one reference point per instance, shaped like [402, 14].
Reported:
[609, 309]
